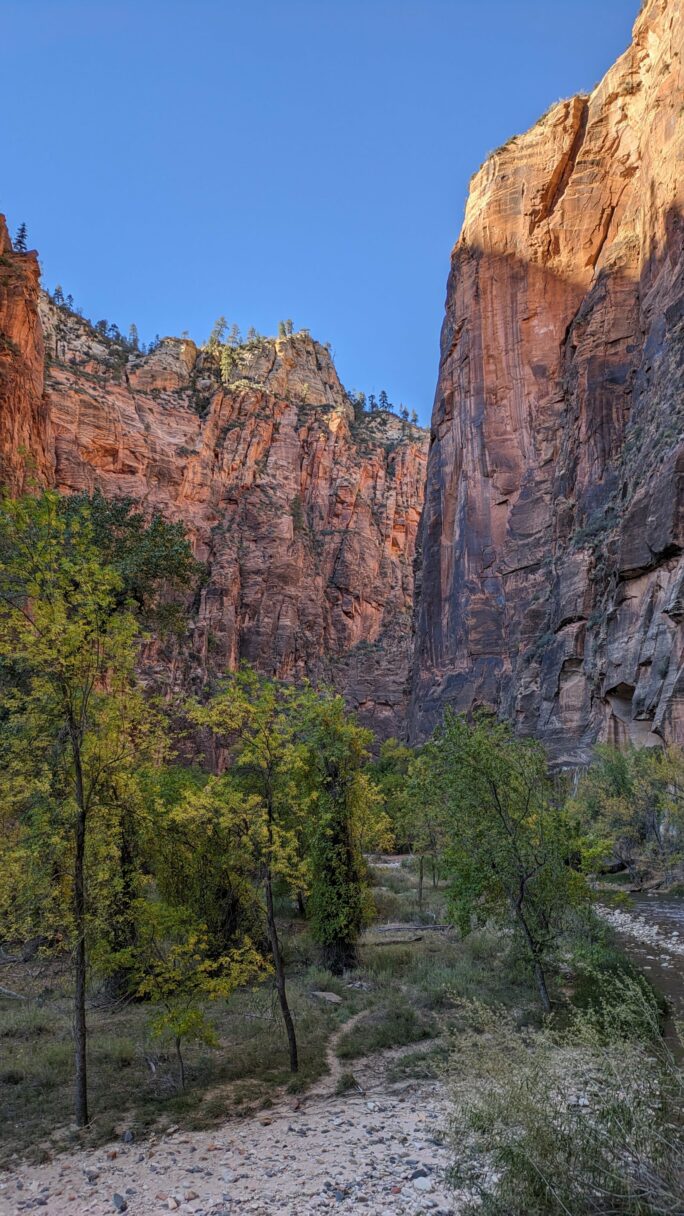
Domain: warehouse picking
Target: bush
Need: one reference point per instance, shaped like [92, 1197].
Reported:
[584, 1123]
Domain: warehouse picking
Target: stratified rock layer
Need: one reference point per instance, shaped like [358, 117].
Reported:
[23, 413]
[305, 515]
[552, 582]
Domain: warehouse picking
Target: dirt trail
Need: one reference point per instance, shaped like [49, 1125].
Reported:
[376, 1150]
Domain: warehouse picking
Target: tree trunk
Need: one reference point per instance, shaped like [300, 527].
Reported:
[536, 964]
[434, 873]
[340, 956]
[181, 1066]
[80, 961]
[280, 976]
[421, 866]
[541, 986]
[301, 904]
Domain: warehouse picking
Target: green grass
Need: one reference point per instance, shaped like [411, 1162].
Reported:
[133, 1081]
[410, 992]
[393, 1025]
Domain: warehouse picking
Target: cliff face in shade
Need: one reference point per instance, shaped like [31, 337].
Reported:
[23, 415]
[552, 580]
[305, 516]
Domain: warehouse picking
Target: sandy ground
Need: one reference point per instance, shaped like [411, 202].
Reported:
[379, 1152]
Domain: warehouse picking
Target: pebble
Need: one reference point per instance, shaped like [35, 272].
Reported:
[380, 1156]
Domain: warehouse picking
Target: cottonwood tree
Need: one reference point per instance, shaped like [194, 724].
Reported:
[261, 799]
[390, 773]
[631, 804]
[425, 819]
[508, 847]
[74, 726]
[178, 974]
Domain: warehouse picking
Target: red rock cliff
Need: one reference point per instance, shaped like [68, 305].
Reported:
[23, 415]
[552, 581]
[306, 516]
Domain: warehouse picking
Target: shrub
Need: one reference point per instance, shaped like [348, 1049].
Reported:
[584, 1123]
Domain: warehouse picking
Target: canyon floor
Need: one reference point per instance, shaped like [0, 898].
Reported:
[367, 1131]
[377, 1149]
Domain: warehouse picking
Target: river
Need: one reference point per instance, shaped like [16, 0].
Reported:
[651, 929]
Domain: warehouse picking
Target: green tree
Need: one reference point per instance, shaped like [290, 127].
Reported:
[177, 973]
[346, 816]
[261, 795]
[74, 724]
[227, 363]
[21, 239]
[201, 854]
[425, 816]
[631, 803]
[509, 847]
[217, 333]
[390, 772]
[157, 573]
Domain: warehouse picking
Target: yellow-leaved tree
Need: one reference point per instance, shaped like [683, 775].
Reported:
[74, 731]
[261, 802]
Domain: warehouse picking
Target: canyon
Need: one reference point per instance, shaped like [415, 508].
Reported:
[552, 581]
[303, 510]
[531, 561]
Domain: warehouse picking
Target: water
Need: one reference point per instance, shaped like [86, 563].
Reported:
[651, 930]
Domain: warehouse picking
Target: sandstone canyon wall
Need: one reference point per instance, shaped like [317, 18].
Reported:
[552, 579]
[305, 515]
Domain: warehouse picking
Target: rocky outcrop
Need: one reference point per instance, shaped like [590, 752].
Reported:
[552, 579]
[305, 514]
[23, 416]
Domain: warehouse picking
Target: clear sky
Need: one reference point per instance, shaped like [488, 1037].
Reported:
[179, 159]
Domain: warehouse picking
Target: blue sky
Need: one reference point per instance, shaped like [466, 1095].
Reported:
[179, 159]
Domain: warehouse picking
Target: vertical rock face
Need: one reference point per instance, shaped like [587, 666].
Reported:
[305, 514]
[552, 580]
[24, 425]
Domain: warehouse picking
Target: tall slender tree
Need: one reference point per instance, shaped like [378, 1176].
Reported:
[75, 722]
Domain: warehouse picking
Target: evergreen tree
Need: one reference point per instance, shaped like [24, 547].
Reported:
[383, 400]
[20, 240]
[133, 339]
[217, 334]
[58, 296]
